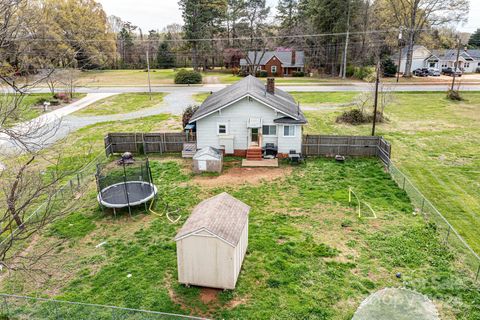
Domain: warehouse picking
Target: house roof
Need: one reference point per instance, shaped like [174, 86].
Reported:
[250, 86]
[405, 51]
[474, 53]
[208, 152]
[285, 58]
[222, 215]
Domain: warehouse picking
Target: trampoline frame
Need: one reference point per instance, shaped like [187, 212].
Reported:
[105, 204]
[135, 203]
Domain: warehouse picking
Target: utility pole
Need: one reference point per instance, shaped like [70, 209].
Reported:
[148, 71]
[377, 81]
[344, 69]
[400, 42]
[456, 64]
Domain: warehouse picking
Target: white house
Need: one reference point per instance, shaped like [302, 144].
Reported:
[246, 116]
[468, 62]
[212, 243]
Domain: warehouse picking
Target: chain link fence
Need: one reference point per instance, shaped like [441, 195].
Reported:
[67, 192]
[21, 307]
[447, 232]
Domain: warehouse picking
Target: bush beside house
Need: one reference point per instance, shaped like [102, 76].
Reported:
[188, 77]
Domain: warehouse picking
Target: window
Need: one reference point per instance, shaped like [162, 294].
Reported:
[467, 64]
[288, 131]
[479, 64]
[274, 69]
[222, 128]
[269, 130]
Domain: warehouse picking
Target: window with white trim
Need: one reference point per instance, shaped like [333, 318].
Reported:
[269, 130]
[288, 131]
[274, 69]
[222, 128]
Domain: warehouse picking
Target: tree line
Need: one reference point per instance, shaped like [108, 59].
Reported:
[334, 34]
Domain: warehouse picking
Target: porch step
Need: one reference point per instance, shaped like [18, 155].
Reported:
[254, 154]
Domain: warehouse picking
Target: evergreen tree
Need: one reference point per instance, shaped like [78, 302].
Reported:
[474, 40]
[201, 18]
[287, 15]
[165, 57]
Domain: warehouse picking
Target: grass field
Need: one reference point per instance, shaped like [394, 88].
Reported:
[31, 106]
[122, 103]
[309, 255]
[166, 76]
[436, 143]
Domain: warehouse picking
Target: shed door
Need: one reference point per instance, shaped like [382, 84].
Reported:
[202, 165]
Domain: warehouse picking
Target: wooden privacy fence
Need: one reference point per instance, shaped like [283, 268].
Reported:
[160, 142]
[313, 145]
[362, 146]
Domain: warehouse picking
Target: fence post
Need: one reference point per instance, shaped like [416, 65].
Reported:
[403, 187]
[423, 205]
[478, 272]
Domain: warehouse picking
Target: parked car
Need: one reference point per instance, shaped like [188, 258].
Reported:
[421, 72]
[434, 72]
[450, 72]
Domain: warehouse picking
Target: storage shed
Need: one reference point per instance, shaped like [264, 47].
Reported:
[208, 159]
[212, 243]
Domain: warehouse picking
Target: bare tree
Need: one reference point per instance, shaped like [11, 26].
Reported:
[29, 194]
[416, 15]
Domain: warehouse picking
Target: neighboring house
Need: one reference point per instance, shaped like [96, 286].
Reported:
[277, 63]
[420, 54]
[247, 115]
[468, 61]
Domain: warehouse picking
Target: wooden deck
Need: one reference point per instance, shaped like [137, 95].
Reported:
[260, 163]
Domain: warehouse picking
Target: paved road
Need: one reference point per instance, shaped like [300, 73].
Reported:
[184, 90]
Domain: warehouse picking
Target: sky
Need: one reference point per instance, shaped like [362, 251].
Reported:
[156, 14]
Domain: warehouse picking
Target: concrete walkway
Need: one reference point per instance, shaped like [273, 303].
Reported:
[45, 129]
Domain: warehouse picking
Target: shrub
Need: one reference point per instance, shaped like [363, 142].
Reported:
[298, 74]
[62, 96]
[363, 73]
[454, 95]
[261, 74]
[187, 114]
[350, 71]
[188, 77]
[389, 68]
[54, 102]
[357, 117]
[243, 73]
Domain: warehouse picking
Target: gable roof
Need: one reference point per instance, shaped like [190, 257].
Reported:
[474, 53]
[285, 58]
[222, 215]
[208, 152]
[416, 53]
[250, 86]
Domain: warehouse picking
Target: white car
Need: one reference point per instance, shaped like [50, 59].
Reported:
[434, 72]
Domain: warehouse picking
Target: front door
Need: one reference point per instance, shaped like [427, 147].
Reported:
[254, 136]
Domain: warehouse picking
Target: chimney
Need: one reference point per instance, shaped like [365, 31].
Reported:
[271, 85]
[293, 57]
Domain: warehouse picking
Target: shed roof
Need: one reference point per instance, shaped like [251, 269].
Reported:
[250, 86]
[208, 152]
[222, 215]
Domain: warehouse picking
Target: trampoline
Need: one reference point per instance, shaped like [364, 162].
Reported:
[125, 185]
[124, 194]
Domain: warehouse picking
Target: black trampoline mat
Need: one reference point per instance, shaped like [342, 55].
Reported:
[137, 192]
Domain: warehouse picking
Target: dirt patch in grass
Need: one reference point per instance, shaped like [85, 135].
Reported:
[238, 301]
[209, 295]
[239, 176]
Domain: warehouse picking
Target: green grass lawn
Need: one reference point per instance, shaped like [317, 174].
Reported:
[166, 76]
[122, 103]
[31, 106]
[436, 143]
[309, 254]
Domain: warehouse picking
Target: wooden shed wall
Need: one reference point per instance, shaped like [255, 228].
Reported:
[205, 260]
[240, 251]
